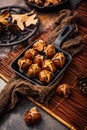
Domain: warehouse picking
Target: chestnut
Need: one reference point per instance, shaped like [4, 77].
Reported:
[33, 116]
[30, 53]
[59, 59]
[48, 65]
[24, 63]
[49, 50]
[33, 70]
[39, 45]
[45, 76]
[38, 59]
[64, 90]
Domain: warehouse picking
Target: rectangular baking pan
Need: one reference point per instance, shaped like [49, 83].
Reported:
[67, 30]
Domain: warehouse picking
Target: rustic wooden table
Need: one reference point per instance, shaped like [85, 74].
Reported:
[14, 120]
[71, 110]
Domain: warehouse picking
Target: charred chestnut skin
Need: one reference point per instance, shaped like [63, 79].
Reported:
[24, 63]
[33, 70]
[49, 50]
[64, 90]
[30, 53]
[59, 59]
[45, 76]
[32, 117]
[38, 59]
[39, 45]
[48, 65]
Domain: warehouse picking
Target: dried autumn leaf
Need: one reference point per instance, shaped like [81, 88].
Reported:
[4, 16]
[21, 19]
[31, 20]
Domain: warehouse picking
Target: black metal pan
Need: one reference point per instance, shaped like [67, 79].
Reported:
[49, 8]
[67, 30]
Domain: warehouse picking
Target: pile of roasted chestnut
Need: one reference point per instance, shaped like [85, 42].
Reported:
[45, 3]
[41, 61]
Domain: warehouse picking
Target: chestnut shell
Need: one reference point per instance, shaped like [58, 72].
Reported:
[30, 53]
[33, 70]
[32, 116]
[49, 50]
[45, 76]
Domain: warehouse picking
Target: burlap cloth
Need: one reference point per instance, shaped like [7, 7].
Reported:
[18, 86]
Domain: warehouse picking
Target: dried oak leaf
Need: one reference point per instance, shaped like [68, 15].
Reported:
[20, 19]
[27, 18]
[4, 16]
[31, 20]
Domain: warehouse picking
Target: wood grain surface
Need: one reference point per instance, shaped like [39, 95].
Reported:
[74, 109]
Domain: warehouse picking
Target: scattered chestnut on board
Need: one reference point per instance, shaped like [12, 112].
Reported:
[32, 117]
[64, 90]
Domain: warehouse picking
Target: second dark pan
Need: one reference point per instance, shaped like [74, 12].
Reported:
[50, 8]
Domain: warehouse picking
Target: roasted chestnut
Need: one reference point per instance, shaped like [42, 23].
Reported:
[52, 2]
[39, 45]
[30, 53]
[24, 63]
[64, 90]
[45, 2]
[49, 50]
[45, 76]
[38, 59]
[32, 116]
[33, 70]
[48, 65]
[59, 59]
